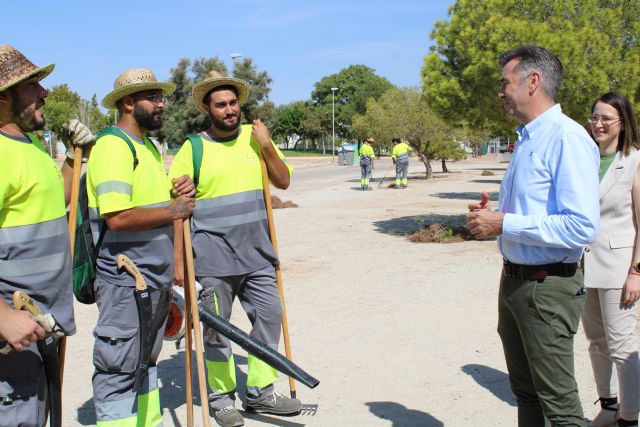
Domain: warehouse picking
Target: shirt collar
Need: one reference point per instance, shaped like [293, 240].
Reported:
[527, 131]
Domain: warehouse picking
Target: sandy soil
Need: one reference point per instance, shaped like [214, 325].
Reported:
[398, 333]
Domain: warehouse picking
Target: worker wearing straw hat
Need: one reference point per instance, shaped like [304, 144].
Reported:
[133, 202]
[34, 245]
[233, 253]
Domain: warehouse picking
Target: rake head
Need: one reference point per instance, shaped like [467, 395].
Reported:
[309, 409]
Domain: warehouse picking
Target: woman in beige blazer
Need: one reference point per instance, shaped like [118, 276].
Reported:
[611, 265]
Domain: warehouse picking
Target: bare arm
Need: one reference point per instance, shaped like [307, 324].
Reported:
[276, 168]
[631, 288]
[67, 174]
[139, 219]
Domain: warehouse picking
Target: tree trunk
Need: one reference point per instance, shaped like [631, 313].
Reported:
[427, 165]
[444, 166]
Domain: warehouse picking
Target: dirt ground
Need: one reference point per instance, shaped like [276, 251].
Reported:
[398, 333]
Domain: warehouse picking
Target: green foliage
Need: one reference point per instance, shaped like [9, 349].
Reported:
[356, 84]
[403, 113]
[63, 104]
[259, 82]
[597, 42]
[287, 119]
[181, 117]
[298, 121]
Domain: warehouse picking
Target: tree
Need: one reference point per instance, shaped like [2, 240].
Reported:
[597, 42]
[287, 119]
[311, 124]
[63, 104]
[356, 84]
[259, 89]
[403, 113]
[181, 117]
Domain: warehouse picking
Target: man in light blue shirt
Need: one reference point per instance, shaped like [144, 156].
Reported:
[548, 211]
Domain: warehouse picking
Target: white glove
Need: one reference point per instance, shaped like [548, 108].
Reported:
[48, 323]
[76, 134]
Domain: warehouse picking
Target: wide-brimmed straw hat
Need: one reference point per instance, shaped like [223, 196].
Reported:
[213, 80]
[15, 67]
[371, 140]
[132, 81]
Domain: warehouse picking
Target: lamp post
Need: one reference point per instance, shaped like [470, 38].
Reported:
[333, 124]
[235, 56]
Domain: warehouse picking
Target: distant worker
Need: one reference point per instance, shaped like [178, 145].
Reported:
[367, 156]
[400, 157]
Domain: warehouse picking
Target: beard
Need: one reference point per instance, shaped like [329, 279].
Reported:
[26, 115]
[221, 125]
[147, 120]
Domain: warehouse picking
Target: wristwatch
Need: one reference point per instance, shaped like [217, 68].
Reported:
[635, 268]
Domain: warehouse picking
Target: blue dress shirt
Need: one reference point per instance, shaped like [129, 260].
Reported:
[550, 192]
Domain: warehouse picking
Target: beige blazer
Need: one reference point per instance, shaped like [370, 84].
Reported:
[607, 260]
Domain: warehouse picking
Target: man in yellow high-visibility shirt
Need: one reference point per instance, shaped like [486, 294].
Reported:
[34, 245]
[233, 253]
[133, 205]
[400, 157]
[367, 156]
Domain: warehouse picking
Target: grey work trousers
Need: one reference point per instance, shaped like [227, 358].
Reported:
[613, 348]
[23, 388]
[365, 169]
[258, 294]
[402, 168]
[116, 350]
[537, 322]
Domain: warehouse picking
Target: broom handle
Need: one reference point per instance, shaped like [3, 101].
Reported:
[195, 320]
[272, 236]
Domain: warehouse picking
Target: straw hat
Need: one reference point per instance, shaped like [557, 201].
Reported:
[15, 67]
[370, 140]
[213, 80]
[132, 81]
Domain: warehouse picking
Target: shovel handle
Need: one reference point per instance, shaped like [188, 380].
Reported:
[22, 301]
[123, 261]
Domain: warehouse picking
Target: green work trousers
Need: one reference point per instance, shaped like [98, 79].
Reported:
[537, 322]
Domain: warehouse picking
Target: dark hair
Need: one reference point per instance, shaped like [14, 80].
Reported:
[628, 136]
[537, 58]
[207, 97]
[395, 139]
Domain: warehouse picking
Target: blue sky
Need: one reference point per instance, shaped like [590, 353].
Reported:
[296, 42]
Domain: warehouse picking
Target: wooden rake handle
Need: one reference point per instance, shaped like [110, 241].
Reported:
[272, 237]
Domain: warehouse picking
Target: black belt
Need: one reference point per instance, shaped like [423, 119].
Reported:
[539, 272]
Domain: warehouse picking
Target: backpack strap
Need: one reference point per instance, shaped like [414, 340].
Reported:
[115, 131]
[103, 231]
[196, 152]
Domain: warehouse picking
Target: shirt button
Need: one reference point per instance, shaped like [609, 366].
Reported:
[587, 250]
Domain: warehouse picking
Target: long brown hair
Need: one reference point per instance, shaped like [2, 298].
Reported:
[629, 132]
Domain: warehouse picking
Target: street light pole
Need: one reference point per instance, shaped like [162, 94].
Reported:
[235, 56]
[333, 124]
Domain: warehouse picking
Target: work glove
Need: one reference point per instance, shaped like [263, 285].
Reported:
[76, 134]
[49, 324]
